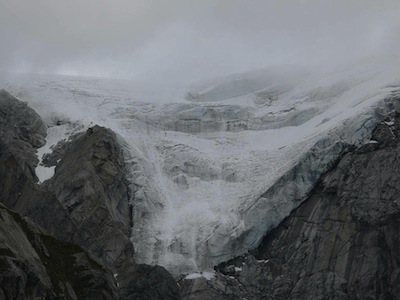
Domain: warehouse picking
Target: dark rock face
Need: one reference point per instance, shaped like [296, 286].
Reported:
[341, 243]
[21, 132]
[148, 283]
[85, 203]
[20, 121]
[345, 238]
[87, 200]
[34, 265]
[90, 184]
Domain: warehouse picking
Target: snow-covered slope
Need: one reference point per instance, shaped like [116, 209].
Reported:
[216, 165]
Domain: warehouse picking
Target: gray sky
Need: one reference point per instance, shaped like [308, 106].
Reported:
[187, 40]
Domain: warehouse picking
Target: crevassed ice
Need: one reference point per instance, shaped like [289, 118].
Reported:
[215, 166]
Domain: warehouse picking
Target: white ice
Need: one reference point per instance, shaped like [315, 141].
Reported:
[53, 137]
[216, 165]
[206, 275]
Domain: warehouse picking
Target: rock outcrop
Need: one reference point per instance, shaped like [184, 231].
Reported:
[85, 205]
[34, 265]
[144, 282]
[21, 132]
[91, 186]
[87, 200]
[341, 243]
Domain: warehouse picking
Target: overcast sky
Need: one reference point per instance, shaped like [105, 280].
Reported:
[187, 40]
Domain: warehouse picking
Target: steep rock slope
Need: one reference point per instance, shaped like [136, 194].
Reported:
[85, 203]
[341, 243]
[91, 186]
[347, 239]
[21, 132]
[34, 265]
[90, 183]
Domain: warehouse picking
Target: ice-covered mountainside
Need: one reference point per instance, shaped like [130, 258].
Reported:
[213, 167]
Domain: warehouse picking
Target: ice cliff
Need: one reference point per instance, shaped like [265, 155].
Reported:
[214, 167]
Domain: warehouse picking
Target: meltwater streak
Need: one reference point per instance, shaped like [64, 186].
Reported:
[211, 175]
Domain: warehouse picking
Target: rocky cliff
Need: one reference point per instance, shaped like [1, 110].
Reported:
[35, 265]
[341, 243]
[85, 205]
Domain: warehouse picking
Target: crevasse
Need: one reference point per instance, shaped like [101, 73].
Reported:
[213, 167]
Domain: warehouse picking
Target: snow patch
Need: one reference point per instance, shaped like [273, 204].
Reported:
[206, 275]
[54, 135]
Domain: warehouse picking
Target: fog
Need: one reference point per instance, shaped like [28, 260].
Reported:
[185, 41]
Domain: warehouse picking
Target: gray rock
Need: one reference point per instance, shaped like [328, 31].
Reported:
[17, 119]
[145, 282]
[90, 184]
[86, 203]
[34, 265]
[341, 243]
[21, 132]
[87, 200]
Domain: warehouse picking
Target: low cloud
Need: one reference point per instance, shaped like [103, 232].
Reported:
[179, 40]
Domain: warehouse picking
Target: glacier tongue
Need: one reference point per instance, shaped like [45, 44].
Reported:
[212, 175]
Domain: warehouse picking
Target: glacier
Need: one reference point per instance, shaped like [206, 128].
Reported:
[215, 165]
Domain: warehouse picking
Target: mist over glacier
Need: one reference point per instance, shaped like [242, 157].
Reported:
[228, 111]
[214, 166]
[181, 41]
